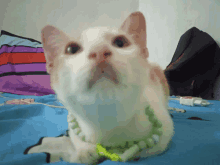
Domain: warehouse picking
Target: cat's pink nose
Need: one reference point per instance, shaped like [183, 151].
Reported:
[100, 56]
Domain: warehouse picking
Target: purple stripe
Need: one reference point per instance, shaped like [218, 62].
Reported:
[18, 49]
[23, 67]
[37, 85]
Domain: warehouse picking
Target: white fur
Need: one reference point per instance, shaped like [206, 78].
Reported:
[109, 113]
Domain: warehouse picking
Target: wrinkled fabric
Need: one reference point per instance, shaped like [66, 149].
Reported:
[196, 139]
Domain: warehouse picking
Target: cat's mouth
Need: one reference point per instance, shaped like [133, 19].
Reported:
[99, 72]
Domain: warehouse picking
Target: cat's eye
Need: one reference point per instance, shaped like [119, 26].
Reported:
[121, 42]
[72, 48]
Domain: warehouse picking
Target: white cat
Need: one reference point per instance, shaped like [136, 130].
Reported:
[105, 81]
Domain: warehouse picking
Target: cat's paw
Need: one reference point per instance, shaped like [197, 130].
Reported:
[55, 148]
[87, 154]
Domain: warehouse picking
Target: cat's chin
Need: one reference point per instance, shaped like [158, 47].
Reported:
[103, 84]
[103, 77]
[103, 89]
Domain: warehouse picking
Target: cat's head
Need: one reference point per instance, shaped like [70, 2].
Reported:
[77, 63]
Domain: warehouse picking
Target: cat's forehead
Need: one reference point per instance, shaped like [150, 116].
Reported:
[99, 32]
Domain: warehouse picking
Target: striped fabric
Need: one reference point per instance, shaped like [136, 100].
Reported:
[23, 66]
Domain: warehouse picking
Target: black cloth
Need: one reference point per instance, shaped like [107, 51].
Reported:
[195, 65]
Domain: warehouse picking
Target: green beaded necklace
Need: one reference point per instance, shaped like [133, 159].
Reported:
[129, 149]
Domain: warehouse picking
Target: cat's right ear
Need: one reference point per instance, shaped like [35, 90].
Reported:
[135, 25]
[53, 41]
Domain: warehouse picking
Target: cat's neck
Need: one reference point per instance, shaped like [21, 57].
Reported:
[109, 121]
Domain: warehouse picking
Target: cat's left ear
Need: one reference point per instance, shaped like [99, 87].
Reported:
[135, 25]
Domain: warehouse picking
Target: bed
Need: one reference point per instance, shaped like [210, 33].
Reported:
[23, 76]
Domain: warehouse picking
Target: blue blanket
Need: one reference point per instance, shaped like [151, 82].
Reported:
[196, 139]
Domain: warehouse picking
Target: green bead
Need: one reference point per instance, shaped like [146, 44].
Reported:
[78, 132]
[158, 131]
[126, 144]
[150, 142]
[158, 124]
[123, 144]
[74, 120]
[110, 151]
[75, 126]
[156, 138]
[130, 143]
[83, 138]
[148, 111]
[119, 150]
[141, 144]
[116, 151]
[152, 119]
[108, 147]
[150, 116]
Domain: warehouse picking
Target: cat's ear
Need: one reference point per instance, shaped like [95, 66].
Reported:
[135, 25]
[53, 41]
